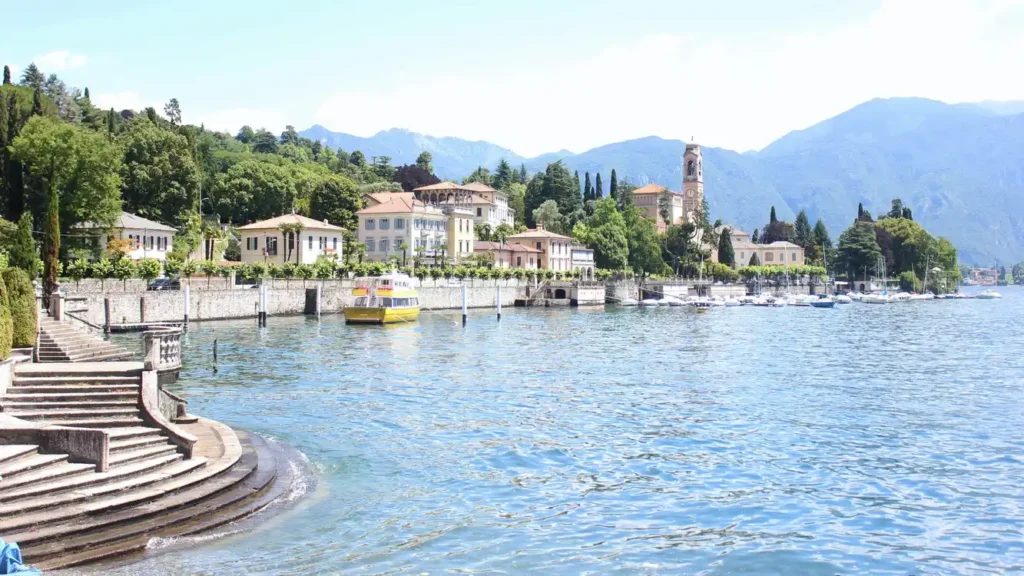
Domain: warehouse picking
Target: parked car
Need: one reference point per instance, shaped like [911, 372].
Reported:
[165, 284]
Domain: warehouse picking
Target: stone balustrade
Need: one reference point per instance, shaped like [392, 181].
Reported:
[163, 349]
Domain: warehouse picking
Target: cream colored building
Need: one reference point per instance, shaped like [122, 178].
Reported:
[774, 254]
[556, 253]
[145, 238]
[266, 242]
[489, 206]
[439, 229]
[648, 199]
[509, 255]
[582, 259]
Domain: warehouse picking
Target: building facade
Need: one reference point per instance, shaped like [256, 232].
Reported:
[402, 227]
[555, 249]
[509, 255]
[648, 199]
[142, 238]
[774, 254]
[582, 259]
[489, 206]
[290, 238]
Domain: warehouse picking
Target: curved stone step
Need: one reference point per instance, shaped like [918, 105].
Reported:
[129, 456]
[101, 422]
[73, 413]
[23, 465]
[130, 443]
[83, 404]
[71, 397]
[126, 432]
[53, 486]
[168, 468]
[75, 388]
[241, 498]
[12, 451]
[43, 475]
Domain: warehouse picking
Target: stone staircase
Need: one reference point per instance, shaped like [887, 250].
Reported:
[64, 513]
[61, 342]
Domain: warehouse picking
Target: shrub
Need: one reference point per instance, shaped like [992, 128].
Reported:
[6, 326]
[77, 269]
[125, 269]
[172, 266]
[304, 271]
[189, 268]
[101, 269]
[21, 299]
[149, 268]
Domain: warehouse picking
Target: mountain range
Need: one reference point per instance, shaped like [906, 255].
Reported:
[959, 167]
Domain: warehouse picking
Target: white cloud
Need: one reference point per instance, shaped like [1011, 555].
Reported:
[59, 61]
[739, 94]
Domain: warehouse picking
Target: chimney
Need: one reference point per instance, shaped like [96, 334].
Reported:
[325, 220]
[540, 225]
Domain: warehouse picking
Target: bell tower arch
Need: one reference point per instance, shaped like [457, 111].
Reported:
[693, 182]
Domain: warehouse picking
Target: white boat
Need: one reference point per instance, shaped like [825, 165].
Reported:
[761, 301]
[855, 296]
[875, 299]
[925, 296]
[989, 294]
[701, 303]
[900, 297]
[733, 302]
[717, 302]
[843, 299]
[628, 302]
[778, 303]
[800, 300]
[672, 301]
[650, 302]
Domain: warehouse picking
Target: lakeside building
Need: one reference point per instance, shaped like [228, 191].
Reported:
[555, 249]
[582, 258]
[648, 199]
[509, 255]
[400, 225]
[145, 238]
[290, 238]
[490, 206]
[775, 254]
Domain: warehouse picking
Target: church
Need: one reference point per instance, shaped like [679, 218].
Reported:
[686, 205]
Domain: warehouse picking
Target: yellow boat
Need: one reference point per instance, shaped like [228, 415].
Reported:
[383, 300]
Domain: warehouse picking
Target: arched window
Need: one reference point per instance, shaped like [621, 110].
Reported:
[689, 168]
[433, 198]
[700, 168]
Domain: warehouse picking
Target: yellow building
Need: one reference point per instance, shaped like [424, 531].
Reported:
[648, 199]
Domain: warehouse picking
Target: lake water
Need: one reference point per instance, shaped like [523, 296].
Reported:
[864, 439]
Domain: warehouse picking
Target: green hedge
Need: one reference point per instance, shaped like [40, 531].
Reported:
[22, 302]
[6, 327]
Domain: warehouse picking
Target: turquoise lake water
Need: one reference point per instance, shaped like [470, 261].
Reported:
[864, 439]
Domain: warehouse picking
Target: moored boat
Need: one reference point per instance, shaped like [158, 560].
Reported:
[628, 302]
[386, 299]
[989, 294]
[843, 299]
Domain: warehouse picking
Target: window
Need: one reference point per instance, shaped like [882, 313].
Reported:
[361, 301]
[151, 242]
[398, 241]
[383, 244]
[538, 245]
[793, 256]
[291, 241]
[385, 224]
[370, 245]
[310, 242]
[769, 256]
[519, 261]
[742, 256]
[782, 256]
[322, 242]
[479, 212]
[334, 241]
[386, 302]
[371, 224]
[399, 223]
[271, 245]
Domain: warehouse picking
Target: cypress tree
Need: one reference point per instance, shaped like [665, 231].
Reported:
[51, 246]
[753, 237]
[726, 255]
[7, 75]
[110, 122]
[6, 326]
[87, 93]
[803, 230]
[597, 186]
[522, 173]
[588, 192]
[23, 247]
[21, 298]
[772, 219]
[576, 181]
[37, 102]
[613, 186]
[860, 210]
[754, 260]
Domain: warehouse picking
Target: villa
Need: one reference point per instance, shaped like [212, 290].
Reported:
[509, 255]
[554, 248]
[648, 199]
[405, 226]
[290, 238]
[145, 238]
[774, 254]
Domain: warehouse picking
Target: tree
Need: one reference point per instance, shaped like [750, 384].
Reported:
[357, 159]
[253, 190]
[151, 114]
[501, 233]
[802, 231]
[754, 260]
[613, 186]
[548, 216]
[33, 77]
[481, 175]
[897, 208]
[679, 249]
[778, 231]
[110, 123]
[503, 175]
[597, 186]
[860, 210]
[382, 167]
[726, 255]
[522, 174]
[6, 325]
[37, 102]
[21, 297]
[665, 206]
[245, 134]
[821, 236]
[644, 243]
[264, 142]
[336, 200]
[858, 249]
[51, 245]
[605, 232]
[576, 184]
[517, 202]
[753, 237]
[22, 250]
[588, 191]
[412, 177]
[289, 136]
[7, 75]
[423, 162]
[233, 251]
[78, 165]
[772, 219]
[159, 179]
[173, 111]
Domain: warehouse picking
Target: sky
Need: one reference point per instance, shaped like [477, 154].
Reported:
[534, 76]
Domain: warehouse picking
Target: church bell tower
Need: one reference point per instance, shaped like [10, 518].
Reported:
[693, 182]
